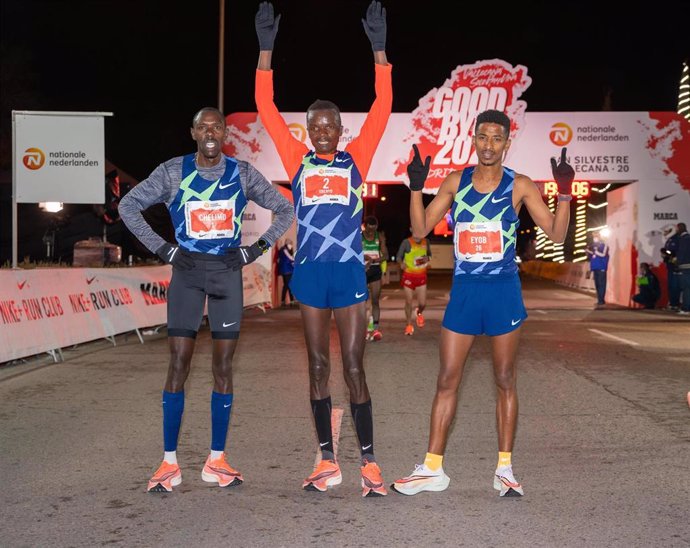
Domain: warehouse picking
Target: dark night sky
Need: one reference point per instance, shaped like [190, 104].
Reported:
[154, 64]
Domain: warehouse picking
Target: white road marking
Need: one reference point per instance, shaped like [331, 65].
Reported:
[539, 311]
[619, 339]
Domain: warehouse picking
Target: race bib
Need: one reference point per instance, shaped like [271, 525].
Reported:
[479, 242]
[420, 261]
[372, 256]
[326, 185]
[210, 220]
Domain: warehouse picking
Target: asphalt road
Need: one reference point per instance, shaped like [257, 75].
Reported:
[601, 447]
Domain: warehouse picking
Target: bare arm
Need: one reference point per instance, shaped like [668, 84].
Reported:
[382, 245]
[423, 221]
[555, 226]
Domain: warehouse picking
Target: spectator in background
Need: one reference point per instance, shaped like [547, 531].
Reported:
[668, 254]
[683, 263]
[286, 266]
[648, 290]
[598, 254]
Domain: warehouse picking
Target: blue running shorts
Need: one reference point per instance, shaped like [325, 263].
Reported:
[485, 306]
[329, 285]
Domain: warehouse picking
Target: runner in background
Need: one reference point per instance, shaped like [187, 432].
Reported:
[375, 258]
[329, 277]
[414, 255]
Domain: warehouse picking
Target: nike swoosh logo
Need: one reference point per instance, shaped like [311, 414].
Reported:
[21, 285]
[226, 406]
[359, 295]
[514, 322]
[495, 201]
[89, 280]
[657, 199]
[228, 324]
[222, 186]
[365, 448]
[323, 444]
[341, 160]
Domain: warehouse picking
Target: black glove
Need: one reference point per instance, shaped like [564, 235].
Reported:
[250, 253]
[418, 171]
[563, 174]
[232, 258]
[266, 26]
[174, 255]
[375, 26]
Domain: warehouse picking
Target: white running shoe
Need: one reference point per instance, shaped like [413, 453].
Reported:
[505, 482]
[422, 479]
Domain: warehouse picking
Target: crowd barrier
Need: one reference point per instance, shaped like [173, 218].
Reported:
[47, 309]
[575, 275]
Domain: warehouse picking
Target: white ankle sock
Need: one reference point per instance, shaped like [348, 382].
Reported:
[170, 457]
[216, 454]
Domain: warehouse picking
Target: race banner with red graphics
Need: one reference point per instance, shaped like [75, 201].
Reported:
[442, 126]
[602, 146]
[257, 278]
[45, 309]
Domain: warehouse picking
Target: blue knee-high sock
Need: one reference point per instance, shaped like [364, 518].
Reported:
[221, 404]
[173, 407]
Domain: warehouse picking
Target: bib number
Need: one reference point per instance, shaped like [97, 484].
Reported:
[210, 220]
[326, 185]
[478, 242]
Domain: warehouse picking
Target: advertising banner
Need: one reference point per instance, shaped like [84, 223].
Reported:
[59, 157]
[257, 278]
[44, 309]
[602, 146]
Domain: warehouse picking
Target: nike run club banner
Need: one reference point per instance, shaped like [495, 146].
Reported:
[45, 309]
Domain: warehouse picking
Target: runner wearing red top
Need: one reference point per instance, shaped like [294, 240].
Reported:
[329, 273]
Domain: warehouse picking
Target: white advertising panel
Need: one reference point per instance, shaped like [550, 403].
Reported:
[257, 278]
[59, 158]
[44, 309]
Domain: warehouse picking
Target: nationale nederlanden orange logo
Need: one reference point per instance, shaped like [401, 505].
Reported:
[560, 134]
[298, 131]
[34, 158]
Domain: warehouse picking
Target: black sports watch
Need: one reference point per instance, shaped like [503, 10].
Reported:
[263, 245]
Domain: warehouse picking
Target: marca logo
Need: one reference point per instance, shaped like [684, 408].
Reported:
[560, 134]
[298, 131]
[34, 158]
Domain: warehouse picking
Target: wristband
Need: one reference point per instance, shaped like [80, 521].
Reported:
[565, 197]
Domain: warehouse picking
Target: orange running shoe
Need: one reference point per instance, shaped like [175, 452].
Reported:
[325, 475]
[409, 329]
[220, 472]
[376, 335]
[420, 319]
[166, 477]
[372, 481]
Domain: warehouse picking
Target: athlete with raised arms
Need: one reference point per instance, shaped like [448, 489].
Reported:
[329, 274]
[486, 296]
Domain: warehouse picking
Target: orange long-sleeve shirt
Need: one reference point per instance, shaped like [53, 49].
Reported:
[362, 147]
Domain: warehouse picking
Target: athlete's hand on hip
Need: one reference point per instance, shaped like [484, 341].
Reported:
[232, 258]
[375, 25]
[417, 170]
[266, 25]
[563, 174]
[174, 255]
[250, 253]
